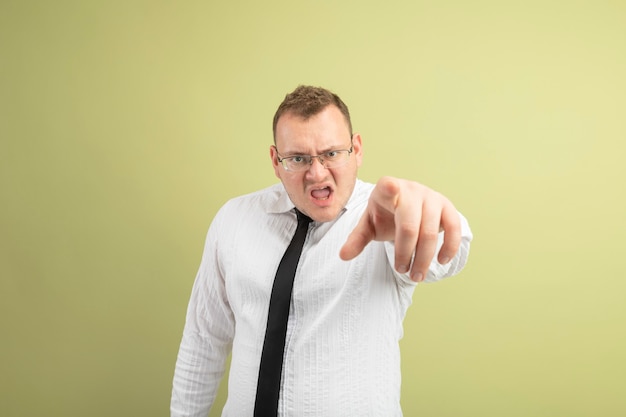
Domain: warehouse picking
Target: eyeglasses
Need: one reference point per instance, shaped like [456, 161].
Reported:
[330, 159]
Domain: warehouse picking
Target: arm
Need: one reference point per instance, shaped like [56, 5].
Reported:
[412, 216]
[206, 341]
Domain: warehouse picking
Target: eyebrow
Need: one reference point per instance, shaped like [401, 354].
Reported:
[332, 148]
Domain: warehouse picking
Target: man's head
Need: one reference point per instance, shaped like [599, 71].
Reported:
[313, 121]
[306, 101]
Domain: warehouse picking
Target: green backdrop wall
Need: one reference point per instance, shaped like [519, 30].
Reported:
[125, 125]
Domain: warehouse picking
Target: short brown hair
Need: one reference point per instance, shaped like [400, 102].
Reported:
[306, 101]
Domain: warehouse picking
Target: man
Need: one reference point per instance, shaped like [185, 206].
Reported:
[365, 249]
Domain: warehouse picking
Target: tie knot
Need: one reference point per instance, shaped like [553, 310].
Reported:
[303, 218]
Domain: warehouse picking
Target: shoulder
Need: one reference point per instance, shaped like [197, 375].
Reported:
[254, 206]
[360, 195]
[261, 200]
[363, 188]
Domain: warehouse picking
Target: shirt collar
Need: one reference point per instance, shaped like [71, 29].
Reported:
[282, 203]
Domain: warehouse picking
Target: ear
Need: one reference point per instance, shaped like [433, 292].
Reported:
[357, 143]
[275, 163]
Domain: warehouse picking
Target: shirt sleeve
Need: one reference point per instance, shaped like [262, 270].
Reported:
[437, 271]
[207, 337]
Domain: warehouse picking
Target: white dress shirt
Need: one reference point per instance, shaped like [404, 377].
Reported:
[342, 356]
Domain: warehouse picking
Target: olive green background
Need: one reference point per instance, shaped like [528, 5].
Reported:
[125, 125]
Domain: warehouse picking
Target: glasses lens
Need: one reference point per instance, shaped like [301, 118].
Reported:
[332, 159]
[336, 159]
[297, 163]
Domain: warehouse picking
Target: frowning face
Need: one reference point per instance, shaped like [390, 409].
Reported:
[320, 193]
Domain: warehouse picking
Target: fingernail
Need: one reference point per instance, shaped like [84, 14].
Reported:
[403, 269]
[444, 260]
[418, 277]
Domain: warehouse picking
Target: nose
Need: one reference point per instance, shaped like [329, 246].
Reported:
[319, 159]
[316, 169]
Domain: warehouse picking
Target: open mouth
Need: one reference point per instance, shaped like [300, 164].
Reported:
[321, 193]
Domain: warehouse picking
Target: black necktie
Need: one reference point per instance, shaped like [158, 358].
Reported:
[268, 387]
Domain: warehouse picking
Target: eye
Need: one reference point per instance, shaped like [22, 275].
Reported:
[331, 154]
[298, 159]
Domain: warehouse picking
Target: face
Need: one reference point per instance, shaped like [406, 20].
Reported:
[318, 192]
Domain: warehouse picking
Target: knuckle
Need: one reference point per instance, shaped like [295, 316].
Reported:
[429, 235]
[410, 229]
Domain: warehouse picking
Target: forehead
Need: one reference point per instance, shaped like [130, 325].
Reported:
[324, 130]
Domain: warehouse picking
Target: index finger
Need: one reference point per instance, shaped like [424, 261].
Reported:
[358, 239]
[377, 222]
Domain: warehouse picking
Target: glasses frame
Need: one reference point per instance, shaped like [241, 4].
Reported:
[283, 160]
